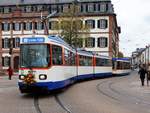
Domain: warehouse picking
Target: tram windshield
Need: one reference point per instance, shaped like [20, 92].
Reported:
[34, 56]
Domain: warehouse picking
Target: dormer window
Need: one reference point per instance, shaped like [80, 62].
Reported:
[28, 8]
[103, 7]
[90, 7]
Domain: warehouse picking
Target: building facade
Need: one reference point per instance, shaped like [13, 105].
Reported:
[23, 17]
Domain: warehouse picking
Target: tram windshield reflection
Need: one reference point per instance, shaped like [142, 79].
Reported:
[35, 56]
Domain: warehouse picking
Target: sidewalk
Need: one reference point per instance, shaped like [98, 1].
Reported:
[133, 86]
[4, 73]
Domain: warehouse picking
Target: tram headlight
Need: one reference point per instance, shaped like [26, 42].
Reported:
[42, 77]
[21, 77]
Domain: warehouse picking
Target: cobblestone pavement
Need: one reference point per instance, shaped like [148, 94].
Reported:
[110, 95]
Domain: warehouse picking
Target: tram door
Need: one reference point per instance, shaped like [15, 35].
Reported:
[16, 63]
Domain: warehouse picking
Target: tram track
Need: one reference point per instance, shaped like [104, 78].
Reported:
[36, 104]
[61, 104]
[58, 101]
[105, 93]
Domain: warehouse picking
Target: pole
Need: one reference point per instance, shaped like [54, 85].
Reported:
[44, 20]
[75, 15]
[11, 44]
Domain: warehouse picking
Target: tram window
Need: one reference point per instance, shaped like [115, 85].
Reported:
[85, 60]
[108, 62]
[103, 62]
[56, 55]
[69, 57]
[98, 62]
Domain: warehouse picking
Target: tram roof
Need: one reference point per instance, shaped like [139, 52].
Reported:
[59, 40]
[121, 59]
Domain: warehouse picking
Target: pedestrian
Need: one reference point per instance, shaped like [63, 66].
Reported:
[10, 72]
[148, 77]
[142, 72]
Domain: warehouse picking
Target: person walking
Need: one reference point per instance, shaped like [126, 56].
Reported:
[148, 77]
[142, 72]
[10, 72]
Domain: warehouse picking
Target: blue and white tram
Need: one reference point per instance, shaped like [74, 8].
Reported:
[121, 66]
[49, 63]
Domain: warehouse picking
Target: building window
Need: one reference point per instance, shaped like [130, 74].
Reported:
[5, 61]
[28, 26]
[53, 25]
[28, 9]
[5, 43]
[90, 42]
[16, 42]
[17, 26]
[98, 8]
[7, 9]
[103, 7]
[53, 8]
[39, 8]
[81, 8]
[61, 8]
[66, 8]
[90, 24]
[102, 42]
[39, 25]
[90, 7]
[102, 24]
[34, 8]
[6, 26]
[1, 9]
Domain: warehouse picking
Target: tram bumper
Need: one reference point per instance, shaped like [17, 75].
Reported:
[32, 88]
[41, 86]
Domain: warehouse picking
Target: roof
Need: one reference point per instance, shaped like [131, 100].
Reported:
[23, 2]
[138, 50]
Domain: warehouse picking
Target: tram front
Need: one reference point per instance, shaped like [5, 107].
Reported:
[34, 63]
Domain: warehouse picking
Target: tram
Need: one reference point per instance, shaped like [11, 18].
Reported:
[121, 66]
[49, 63]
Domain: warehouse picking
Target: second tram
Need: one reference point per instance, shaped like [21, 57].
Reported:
[121, 66]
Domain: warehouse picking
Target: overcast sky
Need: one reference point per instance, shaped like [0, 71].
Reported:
[133, 16]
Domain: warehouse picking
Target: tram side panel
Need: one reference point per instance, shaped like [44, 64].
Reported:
[61, 76]
[103, 71]
[85, 72]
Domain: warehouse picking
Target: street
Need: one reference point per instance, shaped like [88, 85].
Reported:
[109, 95]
